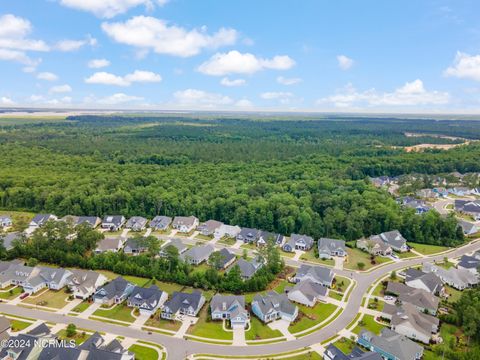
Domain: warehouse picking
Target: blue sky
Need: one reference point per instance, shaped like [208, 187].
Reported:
[372, 56]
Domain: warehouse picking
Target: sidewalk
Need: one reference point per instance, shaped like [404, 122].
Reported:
[70, 306]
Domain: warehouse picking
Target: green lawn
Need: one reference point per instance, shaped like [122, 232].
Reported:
[81, 307]
[308, 317]
[454, 294]
[203, 237]
[139, 281]
[79, 337]
[260, 331]
[11, 294]
[143, 352]
[341, 283]
[312, 355]
[160, 323]
[310, 256]
[335, 295]
[227, 241]
[209, 329]
[427, 249]
[368, 322]
[208, 294]
[20, 219]
[356, 255]
[406, 255]
[376, 305]
[249, 246]
[17, 325]
[120, 312]
[49, 298]
[345, 345]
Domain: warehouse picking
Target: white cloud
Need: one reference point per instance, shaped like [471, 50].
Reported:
[35, 98]
[109, 8]
[244, 103]
[98, 63]
[61, 89]
[282, 97]
[465, 66]
[149, 33]
[13, 34]
[235, 62]
[411, 94]
[74, 45]
[234, 82]
[344, 62]
[119, 98]
[15, 55]
[288, 81]
[47, 76]
[63, 101]
[193, 97]
[29, 69]
[6, 101]
[140, 76]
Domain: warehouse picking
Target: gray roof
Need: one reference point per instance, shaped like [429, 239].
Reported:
[83, 279]
[181, 300]
[469, 262]
[274, 301]
[393, 238]
[109, 243]
[209, 226]
[231, 303]
[177, 243]
[198, 253]
[115, 288]
[248, 233]
[136, 244]
[467, 206]
[78, 220]
[408, 313]
[431, 281]
[117, 220]
[227, 256]
[417, 297]
[160, 222]
[393, 343]
[330, 245]
[147, 298]
[467, 226]
[136, 221]
[9, 238]
[310, 289]
[459, 277]
[188, 221]
[335, 353]
[41, 219]
[247, 268]
[319, 273]
[294, 238]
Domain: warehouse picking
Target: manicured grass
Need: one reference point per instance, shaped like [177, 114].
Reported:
[120, 312]
[227, 241]
[428, 249]
[160, 323]
[260, 331]
[139, 281]
[208, 294]
[79, 337]
[335, 295]
[49, 298]
[287, 254]
[250, 246]
[356, 255]
[143, 352]
[11, 294]
[368, 322]
[454, 294]
[308, 317]
[280, 285]
[84, 305]
[345, 345]
[203, 237]
[168, 287]
[209, 329]
[312, 355]
[406, 255]
[376, 305]
[338, 283]
[17, 325]
[310, 256]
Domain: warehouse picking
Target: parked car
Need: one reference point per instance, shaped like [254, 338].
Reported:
[388, 298]
[23, 296]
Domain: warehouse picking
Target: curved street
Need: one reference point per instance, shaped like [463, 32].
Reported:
[181, 348]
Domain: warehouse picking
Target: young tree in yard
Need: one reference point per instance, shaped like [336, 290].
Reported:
[216, 260]
[360, 265]
[153, 245]
[245, 254]
[71, 330]
[393, 275]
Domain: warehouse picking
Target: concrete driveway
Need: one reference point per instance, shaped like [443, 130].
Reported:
[282, 326]
[239, 336]
[90, 310]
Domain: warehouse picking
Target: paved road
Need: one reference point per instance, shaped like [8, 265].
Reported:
[180, 348]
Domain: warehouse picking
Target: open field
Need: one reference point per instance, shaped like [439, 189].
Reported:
[49, 298]
[356, 256]
[428, 249]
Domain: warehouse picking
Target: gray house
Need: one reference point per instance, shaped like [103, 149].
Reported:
[147, 300]
[227, 258]
[265, 236]
[468, 228]
[109, 245]
[115, 292]
[308, 293]
[136, 223]
[160, 223]
[177, 243]
[44, 276]
[231, 307]
[318, 274]
[209, 227]
[423, 300]
[183, 303]
[91, 221]
[41, 219]
[5, 221]
[185, 224]
[328, 248]
[459, 279]
[334, 353]
[247, 268]
[135, 246]
[248, 235]
[395, 240]
[113, 222]
[9, 239]
[197, 254]
[470, 263]
[273, 306]
[423, 280]
[298, 242]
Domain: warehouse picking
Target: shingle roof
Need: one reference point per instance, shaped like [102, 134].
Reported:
[247, 268]
[318, 273]
[146, 297]
[469, 262]
[417, 297]
[183, 300]
[408, 313]
[431, 281]
[393, 238]
[273, 300]
[330, 245]
[393, 343]
[198, 252]
[310, 289]
[114, 288]
[160, 222]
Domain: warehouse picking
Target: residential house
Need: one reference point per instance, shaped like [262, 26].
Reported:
[176, 243]
[113, 222]
[468, 228]
[334, 353]
[209, 227]
[459, 191]
[115, 292]
[406, 320]
[308, 293]
[328, 248]
[109, 245]
[390, 345]
[160, 223]
[423, 300]
[298, 242]
[84, 283]
[468, 207]
[265, 236]
[44, 276]
[92, 221]
[273, 306]
[185, 224]
[5, 221]
[135, 246]
[147, 300]
[10, 238]
[419, 206]
[426, 194]
[395, 240]
[247, 268]
[229, 231]
[374, 245]
[318, 274]
[381, 181]
[14, 273]
[230, 307]
[38, 221]
[226, 258]
[426, 281]
[5, 326]
[470, 263]
[248, 236]
[198, 254]
[184, 304]
[136, 223]
[440, 191]
[459, 279]
[96, 347]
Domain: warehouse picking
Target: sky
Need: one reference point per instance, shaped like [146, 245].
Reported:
[310, 55]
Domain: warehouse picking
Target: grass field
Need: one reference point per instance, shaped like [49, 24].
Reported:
[209, 329]
[160, 323]
[49, 298]
[406, 255]
[79, 337]
[308, 317]
[17, 325]
[428, 249]
[227, 241]
[84, 305]
[11, 294]
[339, 280]
[310, 256]
[260, 331]
[120, 312]
[345, 345]
[368, 323]
[356, 255]
[143, 352]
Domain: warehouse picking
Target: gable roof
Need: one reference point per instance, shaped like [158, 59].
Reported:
[146, 297]
[160, 222]
[227, 302]
[335, 353]
[319, 273]
[209, 226]
[430, 280]
[198, 252]
[41, 219]
[227, 256]
[117, 220]
[9, 238]
[136, 243]
[417, 297]
[114, 288]
[409, 314]
[187, 221]
[181, 300]
[247, 268]
[109, 244]
[274, 301]
[330, 245]
[310, 289]
[393, 238]
[177, 243]
[469, 262]
[136, 221]
[393, 343]
[294, 238]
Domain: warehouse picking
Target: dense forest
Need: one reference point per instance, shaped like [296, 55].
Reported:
[285, 175]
